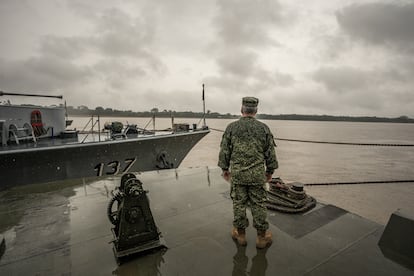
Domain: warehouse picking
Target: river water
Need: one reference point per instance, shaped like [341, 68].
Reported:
[320, 163]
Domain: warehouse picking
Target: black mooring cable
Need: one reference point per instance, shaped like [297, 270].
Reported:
[346, 143]
[359, 182]
[353, 144]
[336, 143]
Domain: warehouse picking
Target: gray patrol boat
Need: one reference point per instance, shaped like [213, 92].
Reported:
[36, 146]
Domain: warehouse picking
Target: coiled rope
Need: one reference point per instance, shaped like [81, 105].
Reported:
[336, 143]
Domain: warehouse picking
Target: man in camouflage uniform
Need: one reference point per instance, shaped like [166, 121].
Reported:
[248, 159]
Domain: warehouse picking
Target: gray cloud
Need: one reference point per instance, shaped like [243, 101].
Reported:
[118, 33]
[342, 79]
[244, 27]
[345, 79]
[113, 57]
[158, 53]
[63, 47]
[45, 74]
[247, 23]
[238, 62]
[118, 73]
[366, 91]
[368, 69]
[273, 79]
[389, 24]
[330, 47]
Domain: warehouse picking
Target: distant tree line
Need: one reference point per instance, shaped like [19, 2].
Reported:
[109, 112]
[401, 119]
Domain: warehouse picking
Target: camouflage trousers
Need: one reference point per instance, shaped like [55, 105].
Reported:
[253, 196]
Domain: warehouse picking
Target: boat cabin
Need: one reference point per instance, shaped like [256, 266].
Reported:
[29, 122]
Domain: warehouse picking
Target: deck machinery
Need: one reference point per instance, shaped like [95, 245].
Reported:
[134, 226]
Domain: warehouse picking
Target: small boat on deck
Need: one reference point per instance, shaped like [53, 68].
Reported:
[36, 146]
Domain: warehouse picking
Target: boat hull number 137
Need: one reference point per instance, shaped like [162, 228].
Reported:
[114, 167]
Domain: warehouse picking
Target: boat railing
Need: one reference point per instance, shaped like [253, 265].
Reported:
[92, 124]
[117, 130]
[153, 123]
[22, 133]
[3, 133]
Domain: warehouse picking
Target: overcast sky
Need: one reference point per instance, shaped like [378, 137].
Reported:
[336, 57]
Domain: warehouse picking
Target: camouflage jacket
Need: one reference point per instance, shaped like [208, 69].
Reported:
[248, 150]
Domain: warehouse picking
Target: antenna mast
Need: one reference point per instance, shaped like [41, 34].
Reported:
[204, 109]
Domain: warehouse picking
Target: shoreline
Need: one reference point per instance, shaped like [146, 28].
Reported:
[281, 117]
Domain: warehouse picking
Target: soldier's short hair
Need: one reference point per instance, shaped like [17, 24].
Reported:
[249, 109]
[249, 105]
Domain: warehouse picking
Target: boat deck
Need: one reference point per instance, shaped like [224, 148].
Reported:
[62, 228]
[40, 143]
[85, 138]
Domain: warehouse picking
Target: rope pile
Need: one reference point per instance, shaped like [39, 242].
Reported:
[288, 198]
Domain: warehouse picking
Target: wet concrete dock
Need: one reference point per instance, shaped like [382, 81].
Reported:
[62, 229]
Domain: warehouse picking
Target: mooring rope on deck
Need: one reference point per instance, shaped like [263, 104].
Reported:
[336, 143]
[359, 182]
[346, 143]
[353, 144]
[216, 129]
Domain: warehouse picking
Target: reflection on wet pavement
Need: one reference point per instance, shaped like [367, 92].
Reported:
[63, 229]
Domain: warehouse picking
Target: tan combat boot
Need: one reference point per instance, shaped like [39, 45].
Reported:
[264, 239]
[239, 235]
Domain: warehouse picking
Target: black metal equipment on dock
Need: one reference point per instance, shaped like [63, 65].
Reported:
[135, 230]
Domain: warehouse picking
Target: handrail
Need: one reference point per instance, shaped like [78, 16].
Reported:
[92, 127]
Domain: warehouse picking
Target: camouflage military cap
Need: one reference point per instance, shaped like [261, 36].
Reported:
[250, 101]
